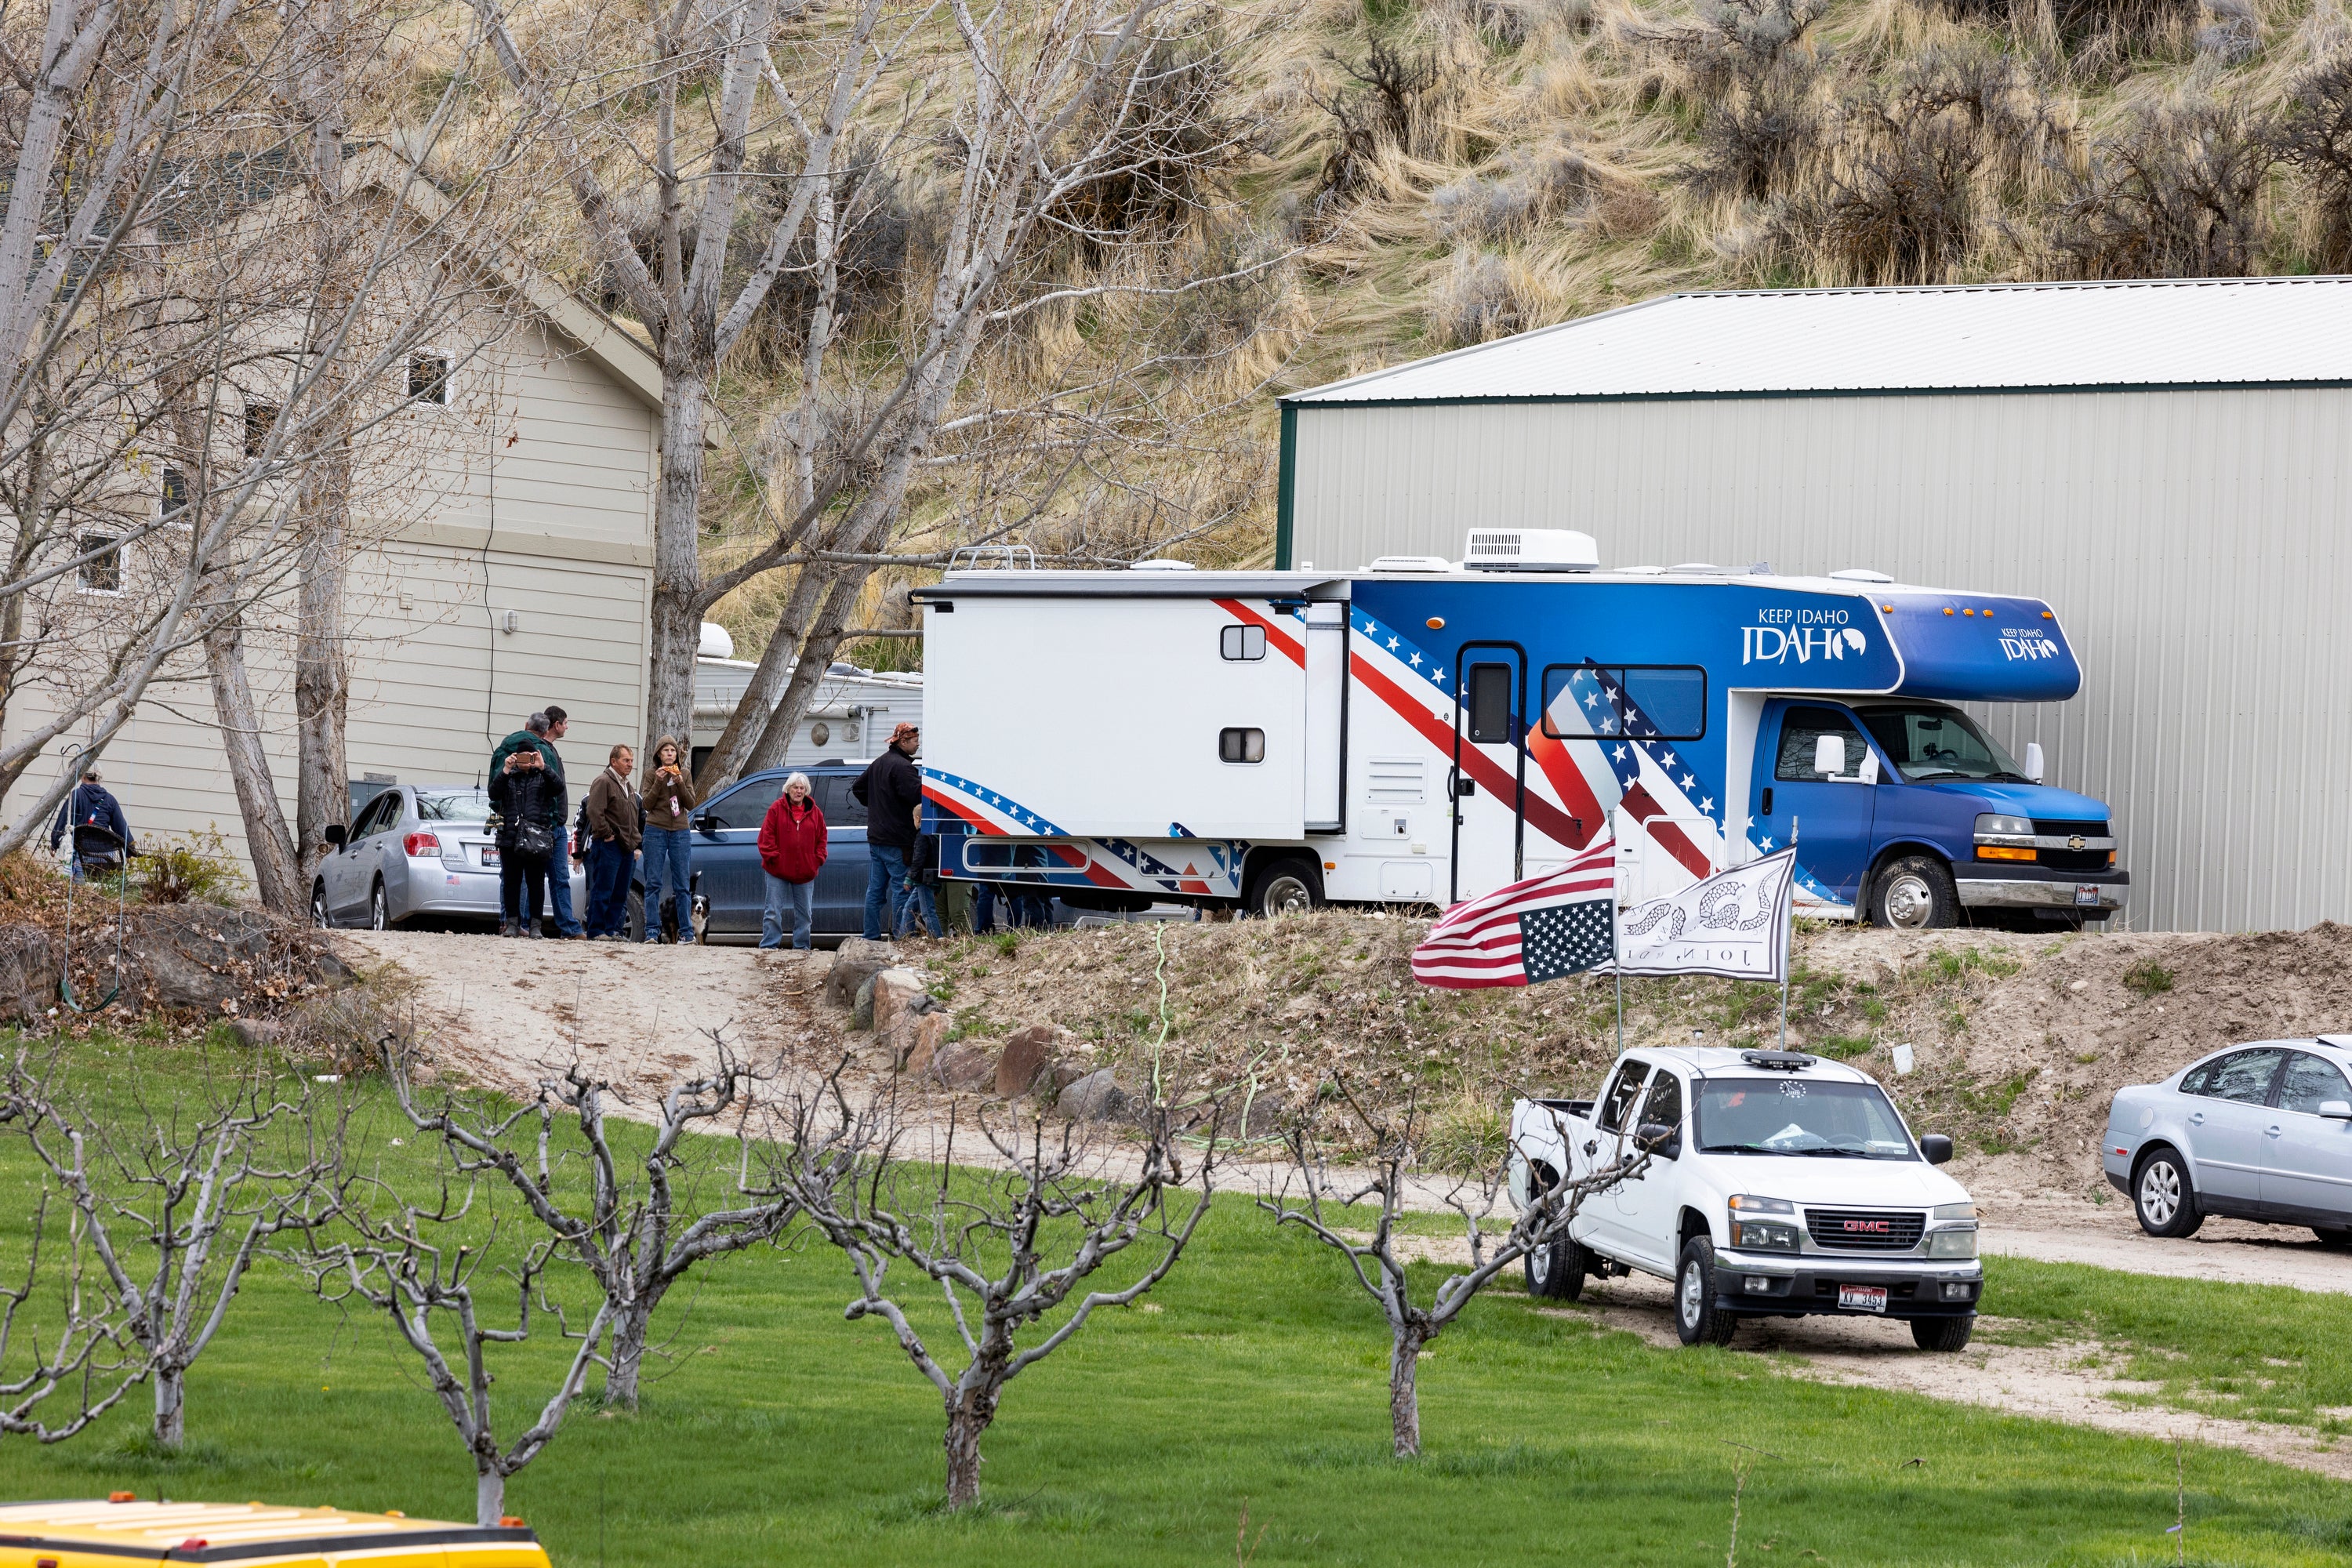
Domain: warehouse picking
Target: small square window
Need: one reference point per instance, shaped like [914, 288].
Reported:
[101, 574]
[259, 419]
[428, 379]
[1240, 745]
[1243, 644]
[175, 491]
[1490, 704]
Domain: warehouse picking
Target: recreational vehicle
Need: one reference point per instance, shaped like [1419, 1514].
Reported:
[1423, 731]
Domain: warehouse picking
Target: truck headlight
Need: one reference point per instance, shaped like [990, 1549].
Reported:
[1755, 1236]
[1989, 826]
[1957, 1241]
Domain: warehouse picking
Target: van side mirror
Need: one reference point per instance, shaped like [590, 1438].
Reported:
[2034, 764]
[1829, 754]
[2337, 1109]
[1936, 1147]
[335, 834]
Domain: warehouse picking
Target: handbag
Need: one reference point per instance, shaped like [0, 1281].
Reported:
[533, 840]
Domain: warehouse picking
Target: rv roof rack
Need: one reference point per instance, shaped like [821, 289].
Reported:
[1000, 557]
[1779, 1061]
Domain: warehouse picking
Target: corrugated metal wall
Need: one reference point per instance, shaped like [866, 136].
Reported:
[2191, 541]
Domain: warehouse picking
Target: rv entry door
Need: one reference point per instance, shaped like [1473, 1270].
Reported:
[1489, 779]
[1326, 717]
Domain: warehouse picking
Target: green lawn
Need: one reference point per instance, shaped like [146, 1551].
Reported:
[1257, 1383]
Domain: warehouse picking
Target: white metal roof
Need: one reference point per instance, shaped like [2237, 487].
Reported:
[2157, 334]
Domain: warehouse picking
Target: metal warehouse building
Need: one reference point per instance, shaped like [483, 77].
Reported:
[2169, 464]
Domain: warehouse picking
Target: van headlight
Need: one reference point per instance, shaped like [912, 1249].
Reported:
[1955, 1241]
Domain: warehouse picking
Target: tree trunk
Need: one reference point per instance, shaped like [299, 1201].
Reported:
[815, 658]
[276, 875]
[1404, 1395]
[629, 1335]
[490, 1494]
[322, 791]
[677, 570]
[747, 725]
[966, 1421]
[171, 1407]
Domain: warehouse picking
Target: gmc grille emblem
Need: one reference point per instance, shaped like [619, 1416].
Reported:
[1875, 1226]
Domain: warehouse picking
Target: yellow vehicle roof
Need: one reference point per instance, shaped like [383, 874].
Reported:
[94, 1534]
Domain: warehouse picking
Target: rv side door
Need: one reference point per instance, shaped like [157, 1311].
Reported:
[1488, 778]
[1325, 761]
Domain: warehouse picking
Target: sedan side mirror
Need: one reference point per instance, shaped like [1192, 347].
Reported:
[1936, 1147]
[333, 834]
[2337, 1109]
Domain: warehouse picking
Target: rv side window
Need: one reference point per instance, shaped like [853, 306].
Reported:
[1240, 745]
[1654, 702]
[1243, 644]
[1490, 704]
[1801, 730]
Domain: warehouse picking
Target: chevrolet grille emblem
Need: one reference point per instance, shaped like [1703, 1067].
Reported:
[2076, 843]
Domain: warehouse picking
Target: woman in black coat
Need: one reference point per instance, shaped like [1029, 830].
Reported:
[530, 804]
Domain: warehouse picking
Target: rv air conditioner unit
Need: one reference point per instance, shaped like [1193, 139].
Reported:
[1529, 550]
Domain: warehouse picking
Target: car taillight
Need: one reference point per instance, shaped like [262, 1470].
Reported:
[421, 843]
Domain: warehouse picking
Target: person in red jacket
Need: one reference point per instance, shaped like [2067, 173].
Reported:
[791, 852]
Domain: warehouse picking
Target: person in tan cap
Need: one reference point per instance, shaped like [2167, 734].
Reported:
[891, 789]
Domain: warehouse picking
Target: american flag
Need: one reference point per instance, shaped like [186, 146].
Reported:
[1547, 926]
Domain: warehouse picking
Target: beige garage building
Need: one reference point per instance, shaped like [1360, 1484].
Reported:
[2169, 464]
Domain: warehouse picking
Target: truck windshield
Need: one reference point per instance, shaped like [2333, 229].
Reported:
[1932, 741]
[1789, 1116]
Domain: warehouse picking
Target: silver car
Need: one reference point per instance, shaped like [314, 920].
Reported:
[420, 849]
[2260, 1131]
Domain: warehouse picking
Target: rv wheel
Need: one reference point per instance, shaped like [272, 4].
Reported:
[1915, 894]
[1286, 888]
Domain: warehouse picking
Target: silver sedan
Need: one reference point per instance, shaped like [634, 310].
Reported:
[419, 849]
[2260, 1131]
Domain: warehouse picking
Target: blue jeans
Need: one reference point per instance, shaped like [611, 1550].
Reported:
[669, 873]
[919, 899]
[886, 869]
[608, 887]
[558, 886]
[801, 898]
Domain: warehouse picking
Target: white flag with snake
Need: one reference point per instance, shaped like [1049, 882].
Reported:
[1734, 924]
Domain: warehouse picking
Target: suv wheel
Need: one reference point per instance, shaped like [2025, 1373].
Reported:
[2331, 1236]
[319, 916]
[1286, 886]
[1915, 894]
[1945, 1334]
[2163, 1197]
[379, 908]
[1696, 1319]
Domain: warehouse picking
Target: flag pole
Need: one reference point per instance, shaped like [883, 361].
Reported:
[1615, 969]
[1792, 917]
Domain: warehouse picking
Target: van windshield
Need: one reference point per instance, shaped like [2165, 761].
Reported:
[1789, 1116]
[1929, 740]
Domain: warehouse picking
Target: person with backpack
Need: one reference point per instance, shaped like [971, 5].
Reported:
[102, 833]
[539, 733]
[529, 796]
[792, 849]
[891, 789]
[614, 833]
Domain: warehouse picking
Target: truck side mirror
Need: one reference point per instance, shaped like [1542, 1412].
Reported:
[1936, 1147]
[1829, 754]
[2034, 765]
[1657, 1138]
[333, 834]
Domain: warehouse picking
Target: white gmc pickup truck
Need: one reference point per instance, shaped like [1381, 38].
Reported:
[1780, 1185]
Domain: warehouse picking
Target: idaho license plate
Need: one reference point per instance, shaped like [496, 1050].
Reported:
[2086, 895]
[489, 854]
[1862, 1298]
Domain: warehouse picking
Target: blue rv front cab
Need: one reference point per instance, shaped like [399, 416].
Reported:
[1423, 731]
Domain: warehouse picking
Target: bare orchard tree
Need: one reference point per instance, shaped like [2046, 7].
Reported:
[175, 1198]
[636, 1237]
[59, 1341]
[1321, 1183]
[404, 1259]
[1009, 1243]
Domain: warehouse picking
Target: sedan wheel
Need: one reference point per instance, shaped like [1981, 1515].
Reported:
[319, 906]
[2163, 1197]
[379, 909]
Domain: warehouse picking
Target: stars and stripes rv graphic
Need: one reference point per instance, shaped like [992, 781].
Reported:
[1544, 928]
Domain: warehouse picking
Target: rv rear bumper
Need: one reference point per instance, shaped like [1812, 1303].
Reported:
[2031, 888]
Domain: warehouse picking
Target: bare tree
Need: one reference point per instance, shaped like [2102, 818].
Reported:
[176, 1202]
[1319, 1185]
[635, 1240]
[1008, 1245]
[88, 1356]
[401, 1258]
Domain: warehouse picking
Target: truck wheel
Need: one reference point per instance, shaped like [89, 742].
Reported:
[1946, 1335]
[2331, 1236]
[1695, 1317]
[2163, 1197]
[1284, 887]
[1915, 894]
[1556, 1270]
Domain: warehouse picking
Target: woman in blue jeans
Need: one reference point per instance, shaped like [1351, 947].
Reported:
[669, 797]
[793, 844]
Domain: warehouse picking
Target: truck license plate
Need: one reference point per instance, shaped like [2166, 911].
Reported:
[1862, 1298]
[2086, 895]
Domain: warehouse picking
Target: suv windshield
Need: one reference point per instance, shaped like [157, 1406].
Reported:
[1789, 1116]
[466, 807]
[1932, 741]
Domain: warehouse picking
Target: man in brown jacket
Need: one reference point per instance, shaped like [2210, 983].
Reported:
[613, 833]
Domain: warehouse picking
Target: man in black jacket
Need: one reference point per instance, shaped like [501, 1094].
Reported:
[892, 789]
[102, 833]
